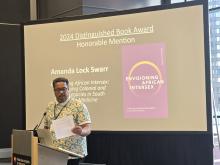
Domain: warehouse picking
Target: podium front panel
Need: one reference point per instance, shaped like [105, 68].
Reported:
[22, 141]
[47, 156]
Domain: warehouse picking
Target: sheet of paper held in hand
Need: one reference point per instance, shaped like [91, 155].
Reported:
[62, 127]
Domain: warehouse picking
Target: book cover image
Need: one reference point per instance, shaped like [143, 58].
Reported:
[144, 81]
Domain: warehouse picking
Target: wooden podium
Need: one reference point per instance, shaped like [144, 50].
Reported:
[27, 151]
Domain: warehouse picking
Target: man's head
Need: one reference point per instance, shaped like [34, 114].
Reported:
[61, 89]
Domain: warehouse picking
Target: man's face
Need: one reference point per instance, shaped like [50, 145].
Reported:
[61, 91]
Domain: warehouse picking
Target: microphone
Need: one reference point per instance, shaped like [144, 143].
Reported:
[38, 125]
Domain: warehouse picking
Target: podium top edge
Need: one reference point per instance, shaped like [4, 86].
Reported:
[61, 150]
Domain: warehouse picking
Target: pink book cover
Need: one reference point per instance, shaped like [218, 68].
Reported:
[144, 81]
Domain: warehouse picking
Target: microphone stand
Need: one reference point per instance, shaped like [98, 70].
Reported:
[38, 125]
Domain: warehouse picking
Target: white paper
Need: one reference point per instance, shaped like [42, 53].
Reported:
[62, 127]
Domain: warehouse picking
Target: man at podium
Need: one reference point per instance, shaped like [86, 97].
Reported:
[65, 106]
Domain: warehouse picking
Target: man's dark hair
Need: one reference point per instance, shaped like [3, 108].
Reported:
[60, 79]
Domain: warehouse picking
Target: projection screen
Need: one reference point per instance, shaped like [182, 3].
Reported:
[140, 71]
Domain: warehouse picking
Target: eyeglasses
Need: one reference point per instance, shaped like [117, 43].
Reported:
[60, 90]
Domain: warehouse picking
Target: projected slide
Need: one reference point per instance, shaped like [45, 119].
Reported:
[136, 72]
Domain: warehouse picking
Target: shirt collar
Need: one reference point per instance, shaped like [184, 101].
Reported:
[63, 103]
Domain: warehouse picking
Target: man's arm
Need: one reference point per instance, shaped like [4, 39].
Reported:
[82, 130]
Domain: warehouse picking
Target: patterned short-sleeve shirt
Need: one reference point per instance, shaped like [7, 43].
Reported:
[80, 114]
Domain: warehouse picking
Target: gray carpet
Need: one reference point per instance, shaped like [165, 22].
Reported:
[5, 161]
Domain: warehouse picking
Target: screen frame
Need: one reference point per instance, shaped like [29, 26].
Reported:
[147, 9]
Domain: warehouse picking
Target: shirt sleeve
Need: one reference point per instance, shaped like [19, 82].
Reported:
[47, 119]
[83, 116]
[46, 123]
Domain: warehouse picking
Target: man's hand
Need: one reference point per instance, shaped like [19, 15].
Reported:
[77, 130]
[82, 130]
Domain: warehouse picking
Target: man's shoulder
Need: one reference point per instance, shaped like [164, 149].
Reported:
[76, 102]
[51, 105]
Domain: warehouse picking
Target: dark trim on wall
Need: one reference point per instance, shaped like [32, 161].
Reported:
[11, 82]
[12, 11]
